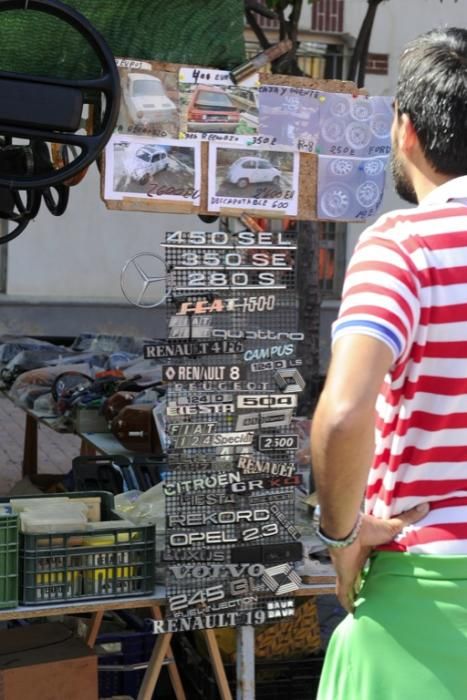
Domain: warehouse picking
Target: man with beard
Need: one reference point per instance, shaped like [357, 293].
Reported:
[400, 347]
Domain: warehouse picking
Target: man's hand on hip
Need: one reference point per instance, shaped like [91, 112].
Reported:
[349, 561]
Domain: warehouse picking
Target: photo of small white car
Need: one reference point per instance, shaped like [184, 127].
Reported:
[247, 170]
[145, 99]
[145, 162]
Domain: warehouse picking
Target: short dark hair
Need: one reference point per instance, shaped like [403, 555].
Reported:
[432, 91]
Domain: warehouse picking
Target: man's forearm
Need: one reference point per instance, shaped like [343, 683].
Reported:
[342, 449]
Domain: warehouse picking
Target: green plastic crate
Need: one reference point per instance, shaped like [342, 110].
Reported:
[8, 561]
[66, 567]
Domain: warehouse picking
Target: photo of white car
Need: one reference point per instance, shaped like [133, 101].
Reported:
[252, 178]
[159, 168]
[146, 161]
[250, 170]
[146, 100]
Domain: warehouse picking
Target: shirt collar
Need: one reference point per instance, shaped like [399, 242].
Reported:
[452, 189]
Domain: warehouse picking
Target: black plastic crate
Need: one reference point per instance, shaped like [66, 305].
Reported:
[75, 566]
[276, 679]
[121, 669]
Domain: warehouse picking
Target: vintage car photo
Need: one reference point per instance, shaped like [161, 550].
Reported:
[248, 171]
[149, 104]
[254, 174]
[154, 169]
[146, 162]
[214, 109]
[211, 109]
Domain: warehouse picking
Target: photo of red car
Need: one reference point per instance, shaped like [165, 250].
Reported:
[211, 109]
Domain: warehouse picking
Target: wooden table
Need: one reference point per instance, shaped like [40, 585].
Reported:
[106, 443]
[102, 444]
[245, 669]
[162, 653]
[91, 443]
[30, 439]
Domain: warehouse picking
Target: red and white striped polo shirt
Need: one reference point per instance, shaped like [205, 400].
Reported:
[407, 286]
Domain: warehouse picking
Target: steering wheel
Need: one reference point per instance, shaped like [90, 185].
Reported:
[19, 212]
[49, 109]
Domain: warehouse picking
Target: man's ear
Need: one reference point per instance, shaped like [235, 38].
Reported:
[407, 135]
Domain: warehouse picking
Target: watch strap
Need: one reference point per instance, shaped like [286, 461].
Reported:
[332, 542]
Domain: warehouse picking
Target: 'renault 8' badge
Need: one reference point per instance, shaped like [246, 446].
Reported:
[203, 373]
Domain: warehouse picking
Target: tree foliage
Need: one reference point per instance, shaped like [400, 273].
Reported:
[287, 13]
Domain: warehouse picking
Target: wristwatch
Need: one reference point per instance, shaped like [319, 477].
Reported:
[330, 541]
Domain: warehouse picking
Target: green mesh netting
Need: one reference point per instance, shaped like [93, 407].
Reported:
[205, 32]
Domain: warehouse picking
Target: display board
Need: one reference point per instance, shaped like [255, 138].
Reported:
[232, 387]
[190, 140]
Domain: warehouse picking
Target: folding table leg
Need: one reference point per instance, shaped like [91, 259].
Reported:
[93, 628]
[172, 667]
[30, 446]
[217, 665]
[87, 450]
[154, 667]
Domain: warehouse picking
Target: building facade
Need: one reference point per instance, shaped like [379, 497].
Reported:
[62, 276]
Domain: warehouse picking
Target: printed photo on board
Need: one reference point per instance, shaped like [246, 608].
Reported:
[350, 188]
[355, 126]
[210, 103]
[154, 168]
[290, 115]
[251, 178]
[149, 103]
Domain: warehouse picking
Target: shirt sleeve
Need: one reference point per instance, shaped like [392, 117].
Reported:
[380, 296]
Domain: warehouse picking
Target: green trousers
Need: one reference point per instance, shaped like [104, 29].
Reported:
[407, 639]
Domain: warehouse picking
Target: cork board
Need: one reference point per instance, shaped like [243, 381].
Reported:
[307, 190]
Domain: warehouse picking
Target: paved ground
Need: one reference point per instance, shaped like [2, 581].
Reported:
[55, 450]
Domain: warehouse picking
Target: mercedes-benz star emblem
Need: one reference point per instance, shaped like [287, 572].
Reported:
[144, 280]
